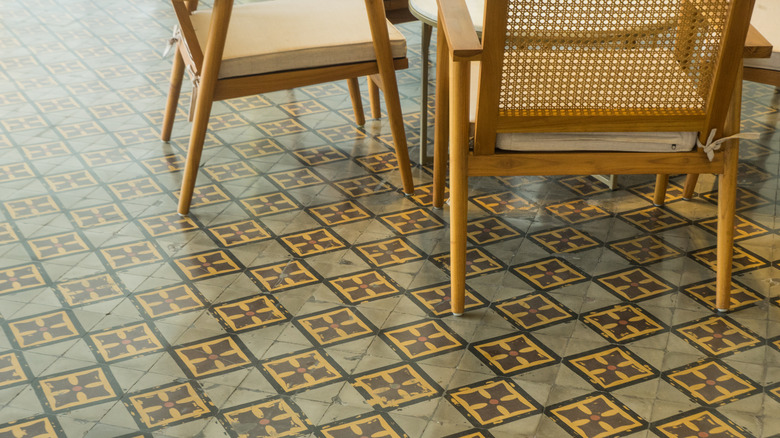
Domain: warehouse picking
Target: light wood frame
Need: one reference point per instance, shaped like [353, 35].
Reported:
[458, 45]
[203, 67]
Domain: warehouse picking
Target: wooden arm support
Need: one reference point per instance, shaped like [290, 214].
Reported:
[455, 22]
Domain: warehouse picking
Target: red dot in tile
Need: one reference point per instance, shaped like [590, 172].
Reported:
[611, 367]
[43, 329]
[645, 249]
[502, 202]
[126, 341]
[565, 240]
[493, 401]
[469, 263]
[634, 284]
[702, 434]
[514, 353]
[486, 230]
[710, 382]
[623, 322]
[12, 279]
[717, 335]
[411, 221]
[447, 298]
[268, 204]
[595, 417]
[363, 286]
[577, 210]
[77, 388]
[169, 404]
[58, 245]
[312, 242]
[90, 289]
[249, 313]
[213, 356]
[334, 325]
[301, 370]
[422, 339]
[169, 300]
[206, 264]
[533, 310]
[549, 273]
[264, 421]
[238, 233]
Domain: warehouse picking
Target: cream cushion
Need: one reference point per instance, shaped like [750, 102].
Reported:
[766, 19]
[279, 35]
[597, 141]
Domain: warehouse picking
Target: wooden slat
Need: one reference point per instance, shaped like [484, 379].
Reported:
[455, 22]
[605, 123]
[756, 46]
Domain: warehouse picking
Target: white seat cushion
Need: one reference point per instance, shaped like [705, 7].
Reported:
[766, 15]
[279, 35]
[597, 141]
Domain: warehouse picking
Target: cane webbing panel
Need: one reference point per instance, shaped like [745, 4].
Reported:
[591, 56]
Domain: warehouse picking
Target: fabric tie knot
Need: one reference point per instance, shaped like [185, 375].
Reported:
[713, 145]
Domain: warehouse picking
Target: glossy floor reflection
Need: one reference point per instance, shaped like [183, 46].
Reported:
[306, 296]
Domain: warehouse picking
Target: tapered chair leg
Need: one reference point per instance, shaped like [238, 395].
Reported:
[459, 134]
[727, 199]
[373, 99]
[177, 74]
[441, 124]
[357, 101]
[661, 182]
[690, 185]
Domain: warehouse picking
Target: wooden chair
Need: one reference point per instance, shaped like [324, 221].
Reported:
[281, 44]
[764, 69]
[577, 93]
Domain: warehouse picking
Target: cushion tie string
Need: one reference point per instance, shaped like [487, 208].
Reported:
[713, 145]
[172, 41]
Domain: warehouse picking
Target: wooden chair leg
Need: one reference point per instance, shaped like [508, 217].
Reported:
[459, 134]
[427, 30]
[373, 99]
[661, 182]
[384, 62]
[441, 123]
[177, 74]
[357, 101]
[208, 82]
[690, 185]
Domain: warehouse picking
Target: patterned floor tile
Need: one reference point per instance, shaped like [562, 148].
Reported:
[13, 369]
[634, 284]
[611, 367]
[249, 313]
[395, 386]
[493, 402]
[19, 278]
[312, 242]
[412, 221]
[743, 228]
[436, 300]
[673, 192]
[704, 294]
[207, 264]
[77, 389]
[700, 422]
[513, 354]
[239, 233]
[339, 213]
[368, 425]
[623, 323]
[533, 311]
[550, 273]
[711, 382]
[295, 179]
[269, 204]
[277, 277]
[363, 186]
[129, 341]
[743, 260]
[30, 207]
[273, 417]
[645, 250]
[389, 252]
[490, 230]
[746, 199]
[213, 356]
[363, 286]
[422, 339]
[58, 245]
[168, 405]
[169, 301]
[504, 202]
[584, 185]
[718, 335]
[39, 427]
[167, 224]
[653, 219]
[423, 195]
[131, 255]
[206, 195]
[381, 162]
[565, 239]
[301, 370]
[478, 262]
[257, 148]
[98, 216]
[43, 329]
[335, 326]
[575, 212]
[597, 414]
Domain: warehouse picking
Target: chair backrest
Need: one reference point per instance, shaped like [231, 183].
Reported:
[607, 65]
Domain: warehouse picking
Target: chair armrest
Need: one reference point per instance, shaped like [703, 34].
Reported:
[455, 22]
[756, 46]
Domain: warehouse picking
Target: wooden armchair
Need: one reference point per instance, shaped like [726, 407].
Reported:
[549, 96]
[280, 44]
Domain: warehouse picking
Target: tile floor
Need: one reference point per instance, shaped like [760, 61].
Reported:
[306, 296]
